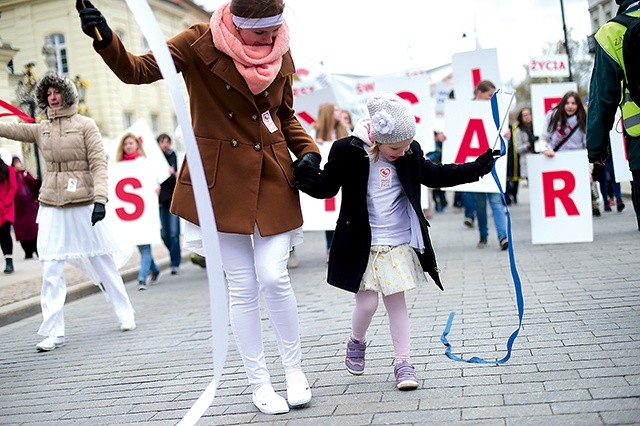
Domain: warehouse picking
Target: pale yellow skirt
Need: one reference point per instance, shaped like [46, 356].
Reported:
[392, 269]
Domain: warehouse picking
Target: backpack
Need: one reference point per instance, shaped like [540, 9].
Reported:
[630, 49]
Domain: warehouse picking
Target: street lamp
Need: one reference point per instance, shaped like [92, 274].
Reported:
[27, 103]
[566, 41]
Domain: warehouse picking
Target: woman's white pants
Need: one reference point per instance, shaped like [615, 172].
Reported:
[54, 293]
[255, 265]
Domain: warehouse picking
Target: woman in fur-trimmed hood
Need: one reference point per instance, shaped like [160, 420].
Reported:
[72, 204]
[64, 85]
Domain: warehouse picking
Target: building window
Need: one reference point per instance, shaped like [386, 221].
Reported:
[154, 124]
[55, 47]
[127, 119]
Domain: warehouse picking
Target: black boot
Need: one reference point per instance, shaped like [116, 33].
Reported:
[9, 268]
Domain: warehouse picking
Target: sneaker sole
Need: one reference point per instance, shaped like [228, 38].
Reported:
[41, 349]
[355, 372]
[407, 385]
[299, 403]
[271, 412]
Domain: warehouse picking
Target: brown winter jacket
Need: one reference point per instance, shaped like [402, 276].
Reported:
[248, 168]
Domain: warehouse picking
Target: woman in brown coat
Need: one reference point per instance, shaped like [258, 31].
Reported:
[238, 71]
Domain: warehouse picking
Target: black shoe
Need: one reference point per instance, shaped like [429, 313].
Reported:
[9, 268]
[154, 276]
[504, 244]
[482, 243]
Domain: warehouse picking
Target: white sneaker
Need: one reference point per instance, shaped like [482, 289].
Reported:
[128, 325]
[298, 390]
[50, 343]
[268, 401]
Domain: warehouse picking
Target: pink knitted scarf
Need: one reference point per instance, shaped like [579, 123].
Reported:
[258, 65]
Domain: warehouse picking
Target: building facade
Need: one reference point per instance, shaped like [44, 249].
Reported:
[600, 11]
[47, 33]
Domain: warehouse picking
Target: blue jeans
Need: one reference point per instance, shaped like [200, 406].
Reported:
[469, 204]
[146, 262]
[170, 233]
[499, 214]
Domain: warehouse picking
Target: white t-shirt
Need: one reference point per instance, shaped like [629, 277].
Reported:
[387, 205]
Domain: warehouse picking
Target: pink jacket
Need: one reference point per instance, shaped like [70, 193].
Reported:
[7, 196]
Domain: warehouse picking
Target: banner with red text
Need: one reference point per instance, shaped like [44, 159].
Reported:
[470, 132]
[469, 68]
[132, 210]
[560, 198]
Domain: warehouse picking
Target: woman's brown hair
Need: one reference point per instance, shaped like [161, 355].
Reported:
[256, 8]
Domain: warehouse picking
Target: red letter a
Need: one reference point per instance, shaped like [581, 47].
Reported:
[475, 126]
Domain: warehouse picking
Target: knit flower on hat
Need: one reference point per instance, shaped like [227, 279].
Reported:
[383, 123]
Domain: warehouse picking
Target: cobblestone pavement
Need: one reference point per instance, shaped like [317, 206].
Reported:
[576, 360]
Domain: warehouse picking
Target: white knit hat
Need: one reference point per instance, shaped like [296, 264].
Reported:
[392, 120]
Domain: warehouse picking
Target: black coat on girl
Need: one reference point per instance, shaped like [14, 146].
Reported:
[348, 168]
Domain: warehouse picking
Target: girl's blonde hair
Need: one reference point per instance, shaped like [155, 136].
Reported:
[120, 152]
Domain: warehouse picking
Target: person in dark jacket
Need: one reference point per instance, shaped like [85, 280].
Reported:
[605, 97]
[381, 242]
[169, 223]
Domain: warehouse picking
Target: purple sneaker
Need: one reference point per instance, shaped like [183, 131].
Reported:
[355, 357]
[405, 376]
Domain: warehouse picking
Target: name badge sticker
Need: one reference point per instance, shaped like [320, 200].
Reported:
[72, 185]
[266, 119]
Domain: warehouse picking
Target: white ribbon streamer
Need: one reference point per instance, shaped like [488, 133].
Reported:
[217, 289]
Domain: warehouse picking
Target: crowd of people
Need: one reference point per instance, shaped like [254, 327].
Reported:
[380, 247]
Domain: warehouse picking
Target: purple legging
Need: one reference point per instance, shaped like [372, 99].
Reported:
[366, 306]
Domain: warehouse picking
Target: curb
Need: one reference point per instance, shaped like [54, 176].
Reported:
[17, 311]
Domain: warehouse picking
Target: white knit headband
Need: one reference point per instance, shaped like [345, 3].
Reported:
[256, 23]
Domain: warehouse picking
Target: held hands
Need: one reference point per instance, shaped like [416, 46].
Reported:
[93, 24]
[307, 171]
[99, 212]
[484, 163]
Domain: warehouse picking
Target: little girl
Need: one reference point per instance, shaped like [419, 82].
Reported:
[381, 242]
[130, 149]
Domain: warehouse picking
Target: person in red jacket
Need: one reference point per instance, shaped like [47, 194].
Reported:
[7, 210]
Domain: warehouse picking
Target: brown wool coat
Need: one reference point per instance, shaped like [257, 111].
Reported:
[248, 168]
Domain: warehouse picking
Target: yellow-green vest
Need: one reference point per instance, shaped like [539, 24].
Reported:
[609, 37]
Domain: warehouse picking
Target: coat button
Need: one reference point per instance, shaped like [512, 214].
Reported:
[257, 147]
[266, 93]
[234, 143]
[227, 87]
[254, 117]
[347, 223]
[230, 115]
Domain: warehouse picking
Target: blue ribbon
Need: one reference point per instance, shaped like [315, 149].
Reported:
[512, 263]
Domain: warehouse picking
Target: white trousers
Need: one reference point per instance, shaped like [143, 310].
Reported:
[255, 265]
[54, 293]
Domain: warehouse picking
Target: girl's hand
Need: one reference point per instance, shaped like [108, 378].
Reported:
[549, 152]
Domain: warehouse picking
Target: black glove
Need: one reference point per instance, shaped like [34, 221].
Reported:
[99, 212]
[307, 171]
[484, 163]
[93, 24]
